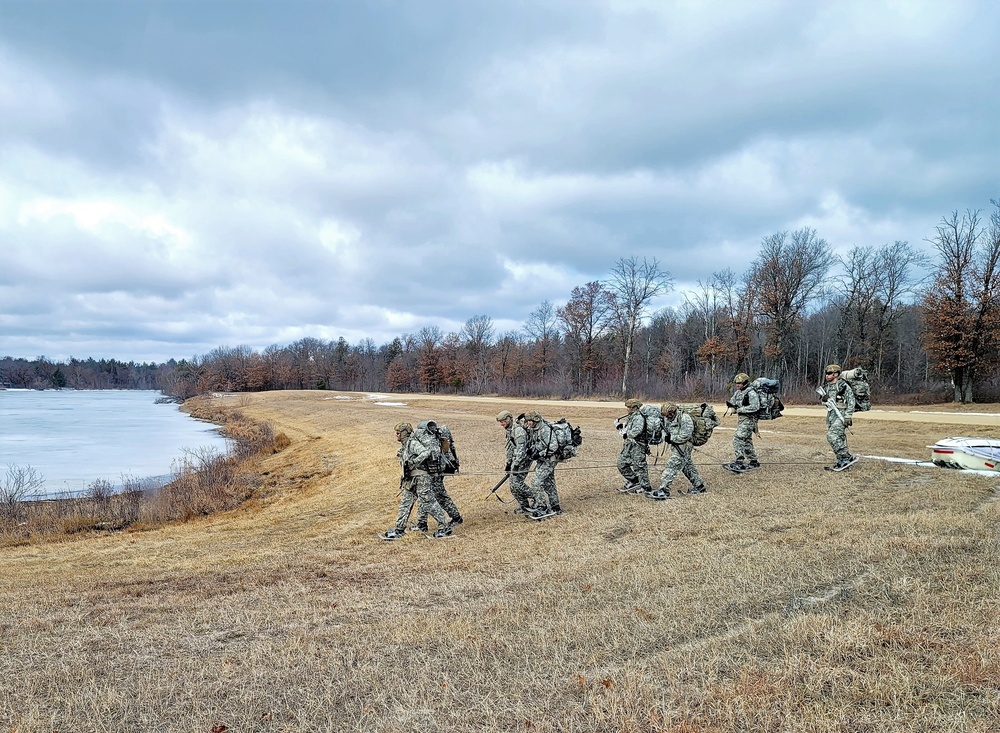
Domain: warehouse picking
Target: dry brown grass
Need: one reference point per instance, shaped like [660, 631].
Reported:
[787, 600]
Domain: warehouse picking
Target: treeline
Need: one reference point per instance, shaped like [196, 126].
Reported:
[926, 327]
[43, 373]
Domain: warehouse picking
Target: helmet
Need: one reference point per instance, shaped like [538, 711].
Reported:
[741, 378]
[632, 402]
[833, 369]
[504, 415]
[533, 416]
[668, 409]
[403, 427]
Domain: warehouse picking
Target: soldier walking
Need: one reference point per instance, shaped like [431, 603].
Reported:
[745, 402]
[678, 430]
[415, 485]
[840, 403]
[518, 463]
[632, 464]
[542, 447]
[437, 484]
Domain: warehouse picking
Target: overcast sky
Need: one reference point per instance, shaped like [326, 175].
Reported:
[177, 176]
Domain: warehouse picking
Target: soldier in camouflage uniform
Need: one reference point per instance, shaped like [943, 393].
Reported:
[415, 485]
[678, 429]
[838, 392]
[632, 459]
[745, 402]
[541, 445]
[518, 463]
[443, 498]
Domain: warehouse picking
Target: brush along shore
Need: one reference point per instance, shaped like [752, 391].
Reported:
[788, 599]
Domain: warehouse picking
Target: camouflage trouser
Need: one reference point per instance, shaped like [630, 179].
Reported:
[836, 434]
[418, 490]
[679, 461]
[743, 438]
[632, 464]
[544, 483]
[441, 494]
[519, 489]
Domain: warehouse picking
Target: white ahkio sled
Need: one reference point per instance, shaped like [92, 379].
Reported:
[974, 454]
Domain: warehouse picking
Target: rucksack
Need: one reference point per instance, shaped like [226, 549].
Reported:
[705, 421]
[770, 403]
[565, 440]
[449, 456]
[858, 380]
[428, 436]
[653, 432]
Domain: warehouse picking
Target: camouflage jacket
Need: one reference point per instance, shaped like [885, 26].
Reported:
[635, 427]
[746, 402]
[680, 429]
[517, 446]
[839, 392]
[413, 455]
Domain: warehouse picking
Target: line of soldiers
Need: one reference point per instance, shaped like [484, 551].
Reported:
[678, 429]
[539, 499]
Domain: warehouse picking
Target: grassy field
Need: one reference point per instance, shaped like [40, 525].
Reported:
[789, 599]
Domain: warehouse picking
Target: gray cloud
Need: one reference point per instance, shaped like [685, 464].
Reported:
[178, 176]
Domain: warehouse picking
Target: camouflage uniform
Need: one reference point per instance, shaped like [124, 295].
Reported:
[518, 460]
[746, 403]
[679, 430]
[417, 486]
[446, 502]
[840, 393]
[541, 442]
[632, 459]
[443, 499]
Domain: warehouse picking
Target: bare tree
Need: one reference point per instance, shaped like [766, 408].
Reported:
[507, 362]
[874, 286]
[586, 317]
[634, 284]
[962, 307]
[429, 339]
[20, 483]
[541, 325]
[787, 275]
[477, 335]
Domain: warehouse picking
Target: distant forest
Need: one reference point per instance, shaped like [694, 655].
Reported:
[926, 328]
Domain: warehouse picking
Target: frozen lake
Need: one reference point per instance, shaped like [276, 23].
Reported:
[71, 438]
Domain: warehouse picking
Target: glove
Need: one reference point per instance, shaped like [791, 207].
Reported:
[507, 467]
[848, 421]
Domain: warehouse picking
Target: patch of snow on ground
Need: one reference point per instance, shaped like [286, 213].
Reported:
[391, 404]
